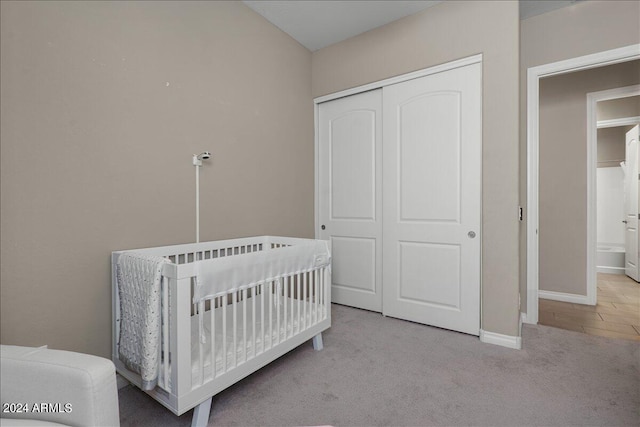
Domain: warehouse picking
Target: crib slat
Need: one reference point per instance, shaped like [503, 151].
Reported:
[262, 314]
[253, 318]
[212, 311]
[322, 304]
[270, 289]
[323, 300]
[200, 343]
[321, 274]
[285, 282]
[278, 286]
[224, 332]
[244, 323]
[320, 294]
[325, 304]
[299, 278]
[318, 297]
[235, 329]
[289, 300]
[315, 299]
[321, 290]
[290, 296]
[304, 298]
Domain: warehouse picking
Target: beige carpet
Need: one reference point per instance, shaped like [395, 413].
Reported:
[387, 372]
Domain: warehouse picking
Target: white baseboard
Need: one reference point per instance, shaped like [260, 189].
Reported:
[611, 270]
[564, 297]
[508, 341]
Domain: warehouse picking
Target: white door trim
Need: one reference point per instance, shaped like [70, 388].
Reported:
[401, 78]
[534, 74]
[623, 121]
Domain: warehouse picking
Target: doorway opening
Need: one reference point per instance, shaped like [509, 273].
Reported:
[535, 74]
[611, 116]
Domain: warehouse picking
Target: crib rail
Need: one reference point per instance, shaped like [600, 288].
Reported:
[191, 252]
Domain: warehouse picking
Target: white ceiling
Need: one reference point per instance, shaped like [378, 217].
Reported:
[529, 8]
[317, 24]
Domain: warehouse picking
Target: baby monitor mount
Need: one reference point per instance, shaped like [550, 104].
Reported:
[197, 162]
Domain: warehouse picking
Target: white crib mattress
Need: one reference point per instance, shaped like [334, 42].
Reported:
[246, 348]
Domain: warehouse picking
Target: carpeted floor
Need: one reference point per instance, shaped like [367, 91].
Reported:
[377, 371]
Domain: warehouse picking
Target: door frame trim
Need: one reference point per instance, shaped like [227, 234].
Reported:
[474, 59]
[534, 74]
[624, 121]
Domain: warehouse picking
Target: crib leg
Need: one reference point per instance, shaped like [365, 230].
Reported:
[317, 342]
[201, 414]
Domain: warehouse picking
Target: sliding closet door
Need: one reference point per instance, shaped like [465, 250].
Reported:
[349, 210]
[432, 183]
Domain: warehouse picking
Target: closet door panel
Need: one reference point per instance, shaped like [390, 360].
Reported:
[352, 174]
[435, 283]
[432, 201]
[349, 137]
[429, 157]
[354, 261]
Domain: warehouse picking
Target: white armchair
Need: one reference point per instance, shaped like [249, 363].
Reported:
[39, 386]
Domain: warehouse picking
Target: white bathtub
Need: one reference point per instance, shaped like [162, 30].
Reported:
[610, 259]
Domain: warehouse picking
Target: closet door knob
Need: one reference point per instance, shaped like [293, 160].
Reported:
[471, 234]
[322, 226]
[624, 220]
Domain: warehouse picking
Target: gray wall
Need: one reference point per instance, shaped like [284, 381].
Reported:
[448, 31]
[102, 106]
[611, 140]
[563, 172]
[618, 108]
[580, 29]
[611, 146]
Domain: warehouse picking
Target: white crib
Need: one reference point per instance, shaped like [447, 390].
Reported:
[211, 340]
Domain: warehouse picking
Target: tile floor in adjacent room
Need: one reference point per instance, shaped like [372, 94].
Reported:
[617, 314]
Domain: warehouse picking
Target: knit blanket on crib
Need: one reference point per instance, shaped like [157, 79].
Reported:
[139, 280]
